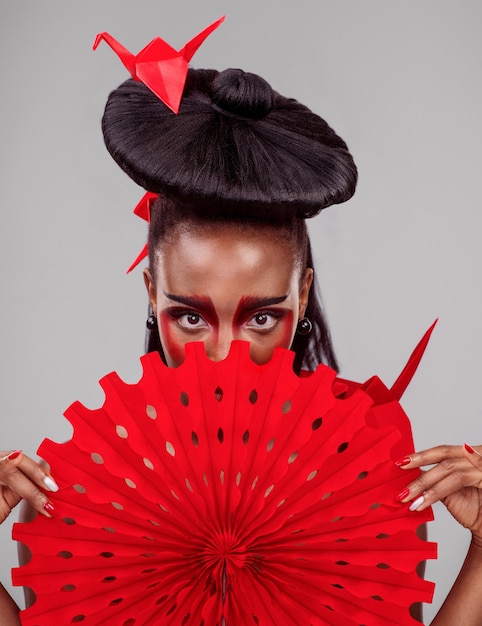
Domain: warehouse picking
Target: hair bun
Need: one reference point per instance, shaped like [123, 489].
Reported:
[283, 160]
[242, 94]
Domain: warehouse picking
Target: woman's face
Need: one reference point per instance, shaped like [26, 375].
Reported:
[221, 284]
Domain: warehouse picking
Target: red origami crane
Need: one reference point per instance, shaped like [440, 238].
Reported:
[159, 66]
[229, 494]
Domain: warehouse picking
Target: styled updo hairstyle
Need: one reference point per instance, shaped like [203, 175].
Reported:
[236, 151]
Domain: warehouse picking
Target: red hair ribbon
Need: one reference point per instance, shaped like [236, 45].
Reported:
[143, 210]
[159, 66]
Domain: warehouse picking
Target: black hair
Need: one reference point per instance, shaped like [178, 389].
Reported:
[235, 144]
[237, 151]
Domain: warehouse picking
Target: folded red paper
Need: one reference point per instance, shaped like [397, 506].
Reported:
[228, 493]
[158, 65]
[143, 210]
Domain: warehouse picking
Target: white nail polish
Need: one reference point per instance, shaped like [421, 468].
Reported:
[416, 503]
[50, 484]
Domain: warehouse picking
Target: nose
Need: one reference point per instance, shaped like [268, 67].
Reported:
[217, 349]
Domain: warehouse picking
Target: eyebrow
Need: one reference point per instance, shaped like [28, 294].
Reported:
[192, 301]
[254, 302]
[247, 302]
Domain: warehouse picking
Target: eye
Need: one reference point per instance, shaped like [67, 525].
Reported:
[265, 320]
[261, 319]
[191, 321]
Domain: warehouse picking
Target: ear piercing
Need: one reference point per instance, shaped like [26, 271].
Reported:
[151, 322]
[304, 326]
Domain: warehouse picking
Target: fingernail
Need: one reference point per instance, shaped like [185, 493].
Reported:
[14, 455]
[50, 483]
[416, 503]
[404, 461]
[51, 510]
[469, 448]
[402, 495]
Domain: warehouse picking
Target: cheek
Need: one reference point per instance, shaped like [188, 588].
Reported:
[172, 345]
[287, 331]
[262, 350]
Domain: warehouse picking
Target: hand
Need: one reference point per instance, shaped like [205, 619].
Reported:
[21, 477]
[455, 480]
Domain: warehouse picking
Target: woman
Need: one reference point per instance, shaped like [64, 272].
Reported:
[237, 171]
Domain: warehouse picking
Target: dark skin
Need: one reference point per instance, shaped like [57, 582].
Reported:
[456, 480]
[218, 285]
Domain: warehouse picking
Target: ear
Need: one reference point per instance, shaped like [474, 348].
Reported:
[305, 287]
[151, 290]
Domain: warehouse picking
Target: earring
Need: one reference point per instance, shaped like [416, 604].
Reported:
[304, 326]
[151, 323]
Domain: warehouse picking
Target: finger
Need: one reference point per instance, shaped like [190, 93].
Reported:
[17, 485]
[438, 492]
[428, 457]
[473, 456]
[9, 460]
[461, 474]
[37, 473]
[9, 456]
[7, 502]
[420, 498]
[21, 487]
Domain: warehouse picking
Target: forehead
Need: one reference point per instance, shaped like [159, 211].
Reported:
[226, 258]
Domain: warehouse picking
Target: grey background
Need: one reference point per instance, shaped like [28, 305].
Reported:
[399, 80]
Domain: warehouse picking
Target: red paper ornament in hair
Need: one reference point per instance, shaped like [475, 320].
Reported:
[159, 66]
[143, 210]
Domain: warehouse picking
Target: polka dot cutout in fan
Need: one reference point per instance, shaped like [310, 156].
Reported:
[228, 494]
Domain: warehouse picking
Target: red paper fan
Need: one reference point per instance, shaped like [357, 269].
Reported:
[228, 493]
